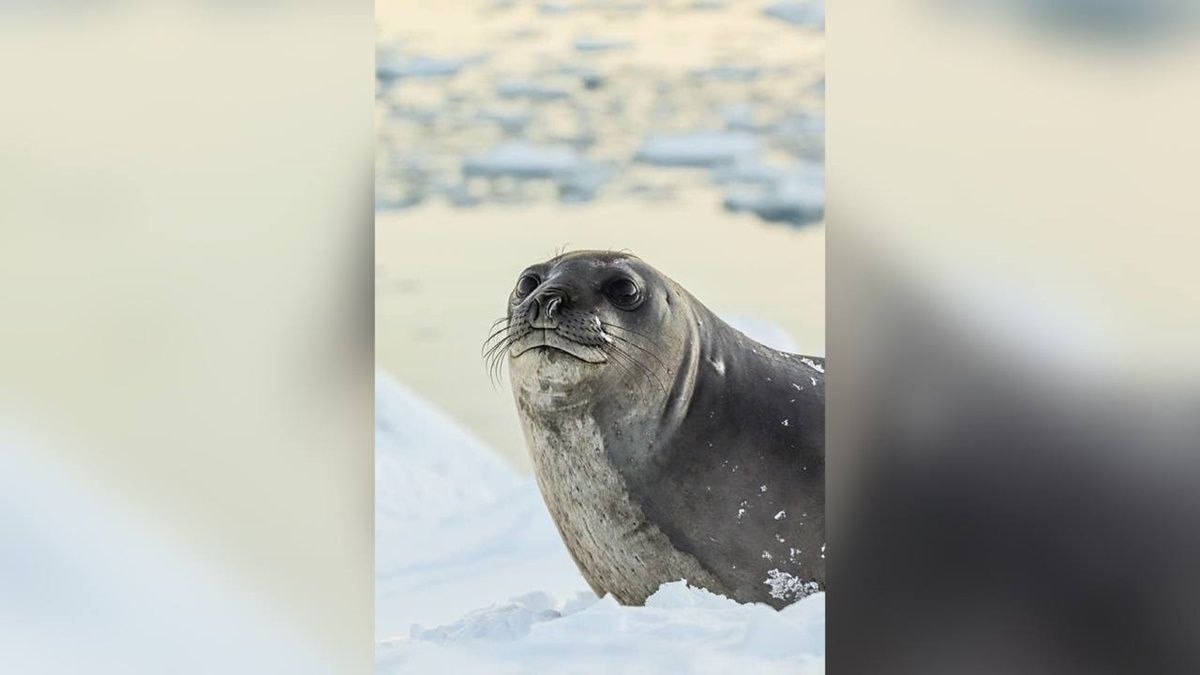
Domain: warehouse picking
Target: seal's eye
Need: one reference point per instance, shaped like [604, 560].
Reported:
[624, 293]
[527, 284]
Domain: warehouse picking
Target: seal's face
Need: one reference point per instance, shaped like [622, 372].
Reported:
[585, 317]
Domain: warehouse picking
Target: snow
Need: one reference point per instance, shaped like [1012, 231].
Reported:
[471, 576]
[455, 528]
[681, 629]
[785, 586]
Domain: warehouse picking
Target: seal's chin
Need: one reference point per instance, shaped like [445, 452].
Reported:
[539, 339]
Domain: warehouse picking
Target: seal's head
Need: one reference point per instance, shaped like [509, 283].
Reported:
[588, 319]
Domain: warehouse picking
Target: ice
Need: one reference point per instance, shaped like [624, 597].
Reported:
[556, 7]
[725, 73]
[582, 184]
[749, 117]
[599, 44]
[511, 121]
[587, 75]
[577, 179]
[744, 117]
[749, 170]
[698, 149]
[805, 13]
[797, 197]
[393, 66]
[528, 89]
[522, 160]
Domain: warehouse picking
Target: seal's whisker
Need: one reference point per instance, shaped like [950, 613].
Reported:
[500, 331]
[642, 367]
[624, 368]
[501, 336]
[499, 347]
[494, 356]
[493, 331]
[631, 343]
[623, 362]
[498, 334]
[626, 341]
[627, 330]
[613, 346]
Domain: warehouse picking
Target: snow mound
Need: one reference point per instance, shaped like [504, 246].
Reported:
[680, 629]
[507, 621]
[426, 463]
[455, 527]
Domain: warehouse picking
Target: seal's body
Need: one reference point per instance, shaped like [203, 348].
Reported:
[666, 444]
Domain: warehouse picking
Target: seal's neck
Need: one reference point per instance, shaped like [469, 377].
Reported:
[678, 398]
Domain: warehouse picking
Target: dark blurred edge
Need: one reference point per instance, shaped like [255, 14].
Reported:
[991, 515]
[1000, 504]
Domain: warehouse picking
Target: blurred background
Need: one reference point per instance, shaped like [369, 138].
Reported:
[690, 133]
[185, 371]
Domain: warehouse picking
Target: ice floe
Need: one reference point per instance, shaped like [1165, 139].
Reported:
[698, 149]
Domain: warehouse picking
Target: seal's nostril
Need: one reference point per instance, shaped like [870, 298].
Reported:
[545, 308]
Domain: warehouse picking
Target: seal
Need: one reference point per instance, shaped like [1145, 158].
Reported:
[666, 444]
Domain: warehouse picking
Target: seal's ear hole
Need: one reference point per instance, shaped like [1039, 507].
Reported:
[527, 284]
[623, 292]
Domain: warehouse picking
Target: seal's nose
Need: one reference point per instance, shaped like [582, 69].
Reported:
[544, 310]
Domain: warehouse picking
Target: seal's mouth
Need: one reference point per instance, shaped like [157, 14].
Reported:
[550, 339]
